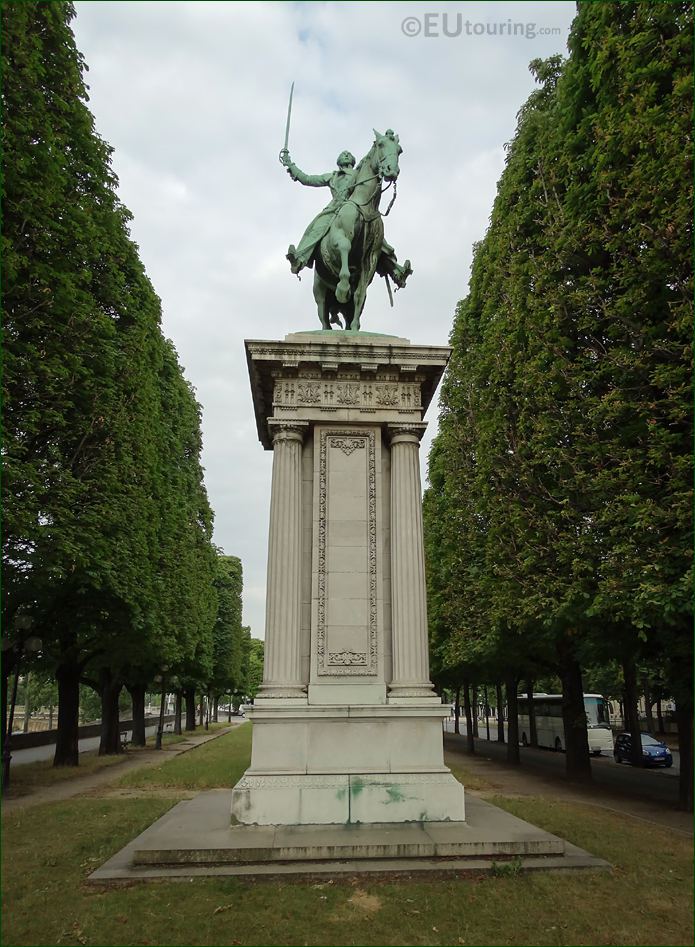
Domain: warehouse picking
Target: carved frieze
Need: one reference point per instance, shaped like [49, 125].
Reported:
[367, 395]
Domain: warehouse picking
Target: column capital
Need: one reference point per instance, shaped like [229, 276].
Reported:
[287, 430]
[406, 433]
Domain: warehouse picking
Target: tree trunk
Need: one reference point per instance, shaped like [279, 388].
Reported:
[511, 684]
[6, 671]
[474, 709]
[229, 710]
[630, 710]
[201, 710]
[648, 705]
[470, 739]
[137, 698]
[659, 712]
[577, 760]
[684, 718]
[216, 709]
[487, 715]
[532, 728]
[500, 713]
[457, 710]
[27, 703]
[110, 737]
[178, 707]
[67, 752]
[190, 708]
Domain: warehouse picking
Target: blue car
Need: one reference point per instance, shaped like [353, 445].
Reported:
[654, 753]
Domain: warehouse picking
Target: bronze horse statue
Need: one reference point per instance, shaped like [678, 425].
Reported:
[353, 249]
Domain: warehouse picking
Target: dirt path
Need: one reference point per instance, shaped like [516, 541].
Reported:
[89, 782]
[493, 778]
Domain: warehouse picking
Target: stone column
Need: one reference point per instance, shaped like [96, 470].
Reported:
[408, 592]
[282, 664]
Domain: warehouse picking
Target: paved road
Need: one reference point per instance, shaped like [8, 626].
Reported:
[34, 754]
[660, 785]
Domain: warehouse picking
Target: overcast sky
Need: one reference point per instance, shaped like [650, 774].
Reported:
[193, 98]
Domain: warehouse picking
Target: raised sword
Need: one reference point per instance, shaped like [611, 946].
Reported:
[287, 126]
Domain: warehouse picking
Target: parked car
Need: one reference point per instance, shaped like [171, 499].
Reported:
[654, 752]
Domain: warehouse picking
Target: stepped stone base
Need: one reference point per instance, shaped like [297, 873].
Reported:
[195, 838]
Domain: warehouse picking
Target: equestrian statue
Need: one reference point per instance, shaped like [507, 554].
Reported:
[345, 243]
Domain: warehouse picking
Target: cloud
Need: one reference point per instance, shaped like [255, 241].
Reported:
[193, 98]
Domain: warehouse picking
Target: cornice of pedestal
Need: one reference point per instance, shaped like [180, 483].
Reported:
[342, 376]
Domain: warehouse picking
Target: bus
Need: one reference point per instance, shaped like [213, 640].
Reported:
[549, 728]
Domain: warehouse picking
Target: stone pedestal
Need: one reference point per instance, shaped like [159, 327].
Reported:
[347, 727]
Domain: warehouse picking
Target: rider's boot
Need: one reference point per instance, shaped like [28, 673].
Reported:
[295, 263]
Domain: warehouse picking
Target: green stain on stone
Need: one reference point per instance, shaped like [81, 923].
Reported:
[356, 786]
[394, 794]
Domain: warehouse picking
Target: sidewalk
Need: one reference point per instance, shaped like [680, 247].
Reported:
[89, 781]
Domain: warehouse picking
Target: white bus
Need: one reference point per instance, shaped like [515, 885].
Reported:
[549, 728]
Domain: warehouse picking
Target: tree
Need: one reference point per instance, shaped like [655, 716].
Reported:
[108, 527]
[255, 668]
[228, 634]
[565, 426]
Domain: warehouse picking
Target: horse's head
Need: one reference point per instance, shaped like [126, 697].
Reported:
[387, 150]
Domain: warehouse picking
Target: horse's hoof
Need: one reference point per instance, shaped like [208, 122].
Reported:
[342, 292]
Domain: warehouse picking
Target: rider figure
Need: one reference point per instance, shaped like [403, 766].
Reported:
[341, 183]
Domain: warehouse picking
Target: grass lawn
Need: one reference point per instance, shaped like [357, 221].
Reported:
[219, 763]
[49, 850]
[30, 776]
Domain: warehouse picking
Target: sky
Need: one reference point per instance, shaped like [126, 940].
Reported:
[193, 98]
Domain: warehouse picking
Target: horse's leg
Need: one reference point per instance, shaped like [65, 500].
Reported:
[358, 301]
[343, 233]
[320, 291]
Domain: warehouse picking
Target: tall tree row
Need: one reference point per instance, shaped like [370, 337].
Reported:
[107, 554]
[560, 490]
[231, 641]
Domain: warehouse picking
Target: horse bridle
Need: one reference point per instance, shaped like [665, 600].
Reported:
[378, 177]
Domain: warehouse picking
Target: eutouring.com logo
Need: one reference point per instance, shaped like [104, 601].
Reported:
[452, 25]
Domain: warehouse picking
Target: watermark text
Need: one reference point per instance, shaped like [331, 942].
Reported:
[451, 25]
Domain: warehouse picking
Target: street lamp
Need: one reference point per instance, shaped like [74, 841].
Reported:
[22, 623]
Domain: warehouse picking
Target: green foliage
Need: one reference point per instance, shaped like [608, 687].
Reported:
[90, 705]
[44, 691]
[107, 522]
[559, 513]
[229, 638]
[254, 674]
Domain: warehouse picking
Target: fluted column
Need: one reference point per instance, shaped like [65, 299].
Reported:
[408, 593]
[282, 665]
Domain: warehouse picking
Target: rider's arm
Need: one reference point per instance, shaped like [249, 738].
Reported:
[312, 180]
